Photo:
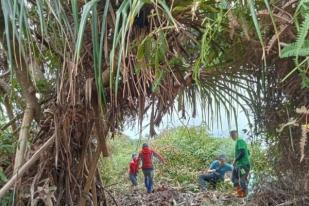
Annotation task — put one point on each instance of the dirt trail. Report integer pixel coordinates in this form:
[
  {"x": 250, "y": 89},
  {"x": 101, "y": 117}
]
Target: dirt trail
[{"x": 166, "y": 196}]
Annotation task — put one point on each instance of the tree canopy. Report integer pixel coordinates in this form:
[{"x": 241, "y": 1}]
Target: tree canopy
[{"x": 75, "y": 71}]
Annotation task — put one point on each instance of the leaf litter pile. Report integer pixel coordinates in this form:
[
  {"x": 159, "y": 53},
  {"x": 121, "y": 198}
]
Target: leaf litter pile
[{"x": 165, "y": 195}]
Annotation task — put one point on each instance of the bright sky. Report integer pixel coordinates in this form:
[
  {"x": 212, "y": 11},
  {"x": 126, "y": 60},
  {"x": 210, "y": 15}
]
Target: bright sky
[{"x": 173, "y": 121}]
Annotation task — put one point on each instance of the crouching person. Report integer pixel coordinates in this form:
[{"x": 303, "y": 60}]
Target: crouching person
[
  {"x": 215, "y": 173},
  {"x": 133, "y": 170}
]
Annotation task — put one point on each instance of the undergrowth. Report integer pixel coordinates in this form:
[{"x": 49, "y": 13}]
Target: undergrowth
[{"x": 7, "y": 149}]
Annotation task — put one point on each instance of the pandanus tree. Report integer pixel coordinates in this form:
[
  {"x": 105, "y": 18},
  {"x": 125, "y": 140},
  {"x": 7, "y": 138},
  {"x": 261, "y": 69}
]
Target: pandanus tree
[{"x": 85, "y": 67}]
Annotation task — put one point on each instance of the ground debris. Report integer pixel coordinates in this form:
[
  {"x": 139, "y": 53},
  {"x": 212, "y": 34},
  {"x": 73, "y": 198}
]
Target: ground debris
[{"x": 165, "y": 195}]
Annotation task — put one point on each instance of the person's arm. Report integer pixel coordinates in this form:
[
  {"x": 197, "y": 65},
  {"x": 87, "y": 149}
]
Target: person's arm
[
  {"x": 240, "y": 155},
  {"x": 139, "y": 159},
  {"x": 157, "y": 155},
  {"x": 212, "y": 167}
]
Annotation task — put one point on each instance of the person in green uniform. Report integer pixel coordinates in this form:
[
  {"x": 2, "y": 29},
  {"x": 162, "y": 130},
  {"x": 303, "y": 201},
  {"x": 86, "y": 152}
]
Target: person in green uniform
[{"x": 241, "y": 165}]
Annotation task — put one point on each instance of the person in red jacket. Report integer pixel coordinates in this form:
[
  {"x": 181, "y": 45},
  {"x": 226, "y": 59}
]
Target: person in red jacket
[
  {"x": 145, "y": 156},
  {"x": 133, "y": 169}
]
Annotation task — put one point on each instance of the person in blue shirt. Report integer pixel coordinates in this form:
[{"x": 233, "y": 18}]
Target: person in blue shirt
[{"x": 215, "y": 173}]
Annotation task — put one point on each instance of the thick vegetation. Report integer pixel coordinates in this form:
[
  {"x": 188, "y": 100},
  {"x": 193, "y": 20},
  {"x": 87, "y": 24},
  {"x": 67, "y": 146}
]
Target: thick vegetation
[{"x": 73, "y": 72}]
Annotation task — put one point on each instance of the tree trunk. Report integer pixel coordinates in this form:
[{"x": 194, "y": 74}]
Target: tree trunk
[
  {"x": 101, "y": 132},
  {"x": 23, "y": 137}
]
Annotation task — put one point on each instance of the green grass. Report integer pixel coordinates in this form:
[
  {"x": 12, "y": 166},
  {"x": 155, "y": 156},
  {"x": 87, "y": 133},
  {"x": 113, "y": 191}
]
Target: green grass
[{"x": 114, "y": 168}]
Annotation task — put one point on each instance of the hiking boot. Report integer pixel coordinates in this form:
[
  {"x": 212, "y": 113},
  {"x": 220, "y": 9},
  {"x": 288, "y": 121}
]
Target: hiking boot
[
  {"x": 241, "y": 194},
  {"x": 152, "y": 191},
  {"x": 237, "y": 191}
]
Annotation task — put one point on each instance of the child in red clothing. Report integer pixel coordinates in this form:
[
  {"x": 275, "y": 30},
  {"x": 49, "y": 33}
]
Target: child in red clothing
[{"x": 133, "y": 169}]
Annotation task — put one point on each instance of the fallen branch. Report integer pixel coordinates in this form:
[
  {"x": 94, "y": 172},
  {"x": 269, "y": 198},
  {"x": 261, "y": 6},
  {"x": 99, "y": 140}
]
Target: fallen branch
[{"x": 26, "y": 166}]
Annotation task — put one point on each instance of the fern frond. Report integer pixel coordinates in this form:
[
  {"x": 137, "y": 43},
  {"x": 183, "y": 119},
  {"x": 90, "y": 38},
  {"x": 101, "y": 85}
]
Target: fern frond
[
  {"x": 302, "y": 34},
  {"x": 303, "y": 140},
  {"x": 291, "y": 50},
  {"x": 302, "y": 5}
]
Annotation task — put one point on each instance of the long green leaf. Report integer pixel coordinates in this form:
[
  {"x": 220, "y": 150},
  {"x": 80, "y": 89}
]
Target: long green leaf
[
  {"x": 6, "y": 9},
  {"x": 99, "y": 80},
  {"x": 274, "y": 24},
  {"x": 86, "y": 11},
  {"x": 257, "y": 27},
  {"x": 75, "y": 14}
]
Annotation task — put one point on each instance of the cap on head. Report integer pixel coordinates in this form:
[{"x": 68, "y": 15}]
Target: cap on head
[
  {"x": 222, "y": 157},
  {"x": 145, "y": 145}
]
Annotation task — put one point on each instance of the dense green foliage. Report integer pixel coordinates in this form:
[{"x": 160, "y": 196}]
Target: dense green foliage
[
  {"x": 89, "y": 50},
  {"x": 7, "y": 149},
  {"x": 114, "y": 168},
  {"x": 300, "y": 48}
]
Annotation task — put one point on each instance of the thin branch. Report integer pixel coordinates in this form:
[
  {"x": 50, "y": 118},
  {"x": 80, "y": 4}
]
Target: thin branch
[
  {"x": 12, "y": 121},
  {"x": 26, "y": 166},
  {"x": 5, "y": 74}
]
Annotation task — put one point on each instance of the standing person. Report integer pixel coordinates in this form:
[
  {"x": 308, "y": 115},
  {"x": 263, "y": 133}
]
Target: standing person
[
  {"x": 133, "y": 170},
  {"x": 146, "y": 156},
  {"x": 215, "y": 173},
  {"x": 241, "y": 165}
]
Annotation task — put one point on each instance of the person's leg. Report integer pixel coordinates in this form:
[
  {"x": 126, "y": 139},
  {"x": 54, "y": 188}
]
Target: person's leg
[
  {"x": 244, "y": 172},
  {"x": 214, "y": 180},
  {"x": 204, "y": 179},
  {"x": 236, "y": 181},
  {"x": 235, "y": 176},
  {"x": 148, "y": 173},
  {"x": 150, "y": 188},
  {"x": 145, "y": 178},
  {"x": 202, "y": 182},
  {"x": 133, "y": 179}
]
